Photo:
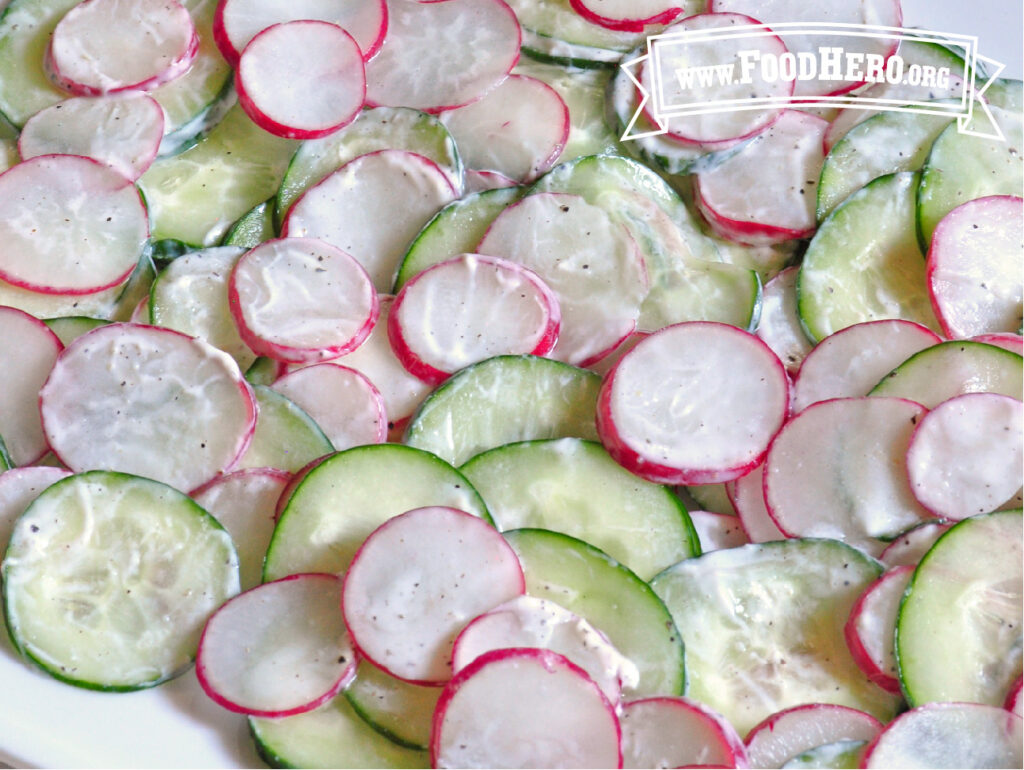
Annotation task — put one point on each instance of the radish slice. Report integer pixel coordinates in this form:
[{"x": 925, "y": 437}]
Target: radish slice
[
  {"x": 871, "y": 629},
  {"x": 838, "y": 470},
  {"x": 1015, "y": 698},
  {"x": 795, "y": 730},
  {"x": 372, "y": 207},
  {"x": 766, "y": 191},
  {"x": 239, "y": 21},
  {"x": 96, "y": 47},
  {"x": 402, "y": 392},
  {"x": 1012, "y": 342},
  {"x": 45, "y": 249},
  {"x": 301, "y": 300},
  {"x": 278, "y": 649},
  {"x": 524, "y": 708},
  {"x": 747, "y": 496},
  {"x": 851, "y": 361},
  {"x": 414, "y": 582},
  {"x": 147, "y": 401},
  {"x": 718, "y": 530},
  {"x": 966, "y": 456},
  {"x": 442, "y": 54},
  {"x": 735, "y": 393},
  {"x": 953, "y": 735},
  {"x": 343, "y": 402},
  {"x": 518, "y": 129},
  {"x": 121, "y": 130},
  {"x": 481, "y": 181},
  {"x": 678, "y": 732},
  {"x": 301, "y": 79},
  {"x": 469, "y": 308},
  {"x": 29, "y": 350},
  {"x": 910, "y": 547},
  {"x": 715, "y": 130},
  {"x": 527, "y": 621},
  {"x": 244, "y": 502},
  {"x": 591, "y": 263},
  {"x": 18, "y": 488},
  {"x": 780, "y": 325},
  {"x": 974, "y": 275},
  {"x": 630, "y": 15}
]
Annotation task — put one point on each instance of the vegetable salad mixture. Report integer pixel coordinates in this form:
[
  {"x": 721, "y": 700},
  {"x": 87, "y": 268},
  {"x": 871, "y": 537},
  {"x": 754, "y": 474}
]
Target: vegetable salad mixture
[{"x": 393, "y": 370}]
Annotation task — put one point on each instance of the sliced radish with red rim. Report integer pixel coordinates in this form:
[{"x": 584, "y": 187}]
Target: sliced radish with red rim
[
  {"x": 277, "y": 650},
  {"x": 301, "y": 300},
  {"x": 481, "y": 181},
  {"x": 469, "y": 308},
  {"x": 871, "y": 630},
  {"x": 747, "y": 496},
  {"x": 795, "y": 730},
  {"x": 630, "y": 15},
  {"x": 1015, "y": 698},
  {"x": 694, "y": 403},
  {"x": 120, "y": 130},
  {"x": 18, "y": 488},
  {"x": 442, "y": 54},
  {"x": 1012, "y": 342},
  {"x": 718, "y": 530},
  {"x": 45, "y": 249},
  {"x": 524, "y": 708},
  {"x": 29, "y": 350},
  {"x": 239, "y": 21},
  {"x": 911, "y": 546},
  {"x": 414, "y": 583},
  {"x": 96, "y": 46},
  {"x": 147, "y": 401},
  {"x": 301, "y": 79},
  {"x": 966, "y": 456},
  {"x": 678, "y": 732},
  {"x": 518, "y": 129}
]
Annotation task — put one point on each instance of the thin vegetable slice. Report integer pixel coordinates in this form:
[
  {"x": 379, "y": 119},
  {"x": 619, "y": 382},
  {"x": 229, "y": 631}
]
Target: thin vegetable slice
[
  {"x": 871, "y": 629},
  {"x": 792, "y": 731},
  {"x": 677, "y": 732},
  {"x": 399, "y": 710}
]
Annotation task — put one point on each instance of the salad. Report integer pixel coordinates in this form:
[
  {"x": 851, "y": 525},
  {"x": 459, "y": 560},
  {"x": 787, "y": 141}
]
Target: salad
[{"x": 392, "y": 386}]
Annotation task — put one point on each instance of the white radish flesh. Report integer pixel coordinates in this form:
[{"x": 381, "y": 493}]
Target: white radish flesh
[
  {"x": 301, "y": 79},
  {"x": 44, "y": 249},
  {"x": 747, "y": 496},
  {"x": 795, "y": 730},
  {"x": 469, "y": 308},
  {"x": 591, "y": 263},
  {"x": 120, "y": 130},
  {"x": 694, "y": 403},
  {"x": 524, "y": 708},
  {"x": 966, "y": 456},
  {"x": 871, "y": 630},
  {"x": 18, "y": 488},
  {"x": 301, "y": 300},
  {"x": 279, "y": 649},
  {"x": 372, "y": 207},
  {"x": 442, "y": 54},
  {"x": 343, "y": 402},
  {"x": 718, "y": 530},
  {"x": 147, "y": 401},
  {"x": 415, "y": 582},
  {"x": 910, "y": 547},
  {"x": 29, "y": 350},
  {"x": 974, "y": 275},
  {"x": 518, "y": 129},
  {"x": 97, "y": 46},
  {"x": 528, "y": 621},
  {"x": 239, "y": 21},
  {"x": 780, "y": 326},
  {"x": 678, "y": 732}
]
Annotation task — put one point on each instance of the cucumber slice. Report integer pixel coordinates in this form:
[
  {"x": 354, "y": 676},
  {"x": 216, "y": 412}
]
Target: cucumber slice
[
  {"x": 455, "y": 229},
  {"x": 398, "y": 710},
  {"x": 109, "y": 578},
  {"x": 961, "y": 167},
  {"x": 252, "y": 228},
  {"x": 332, "y": 736},
  {"x": 610, "y": 597},
  {"x": 640, "y": 524},
  {"x": 949, "y": 369},
  {"x": 195, "y": 196},
  {"x": 797, "y": 594},
  {"x": 286, "y": 437},
  {"x": 339, "y": 503},
  {"x": 864, "y": 263},
  {"x": 503, "y": 400},
  {"x": 382, "y": 128},
  {"x": 958, "y": 636},
  {"x": 68, "y": 328}
]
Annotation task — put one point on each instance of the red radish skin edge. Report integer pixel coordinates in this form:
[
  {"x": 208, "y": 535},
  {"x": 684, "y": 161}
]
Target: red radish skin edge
[
  {"x": 729, "y": 739},
  {"x": 432, "y": 376},
  {"x": 857, "y": 649},
  {"x": 344, "y": 681},
  {"x": 624, "y": 25},
  {"x": 551, "y": 662},
  {"x": 274, "y": 473},
  {"x": 267, "y": 123},
  {"x": 770, "y": 722},
  {"x": 243, "y": 386}
]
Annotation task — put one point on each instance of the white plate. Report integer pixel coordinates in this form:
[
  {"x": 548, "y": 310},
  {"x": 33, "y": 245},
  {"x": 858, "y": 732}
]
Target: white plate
[{"x": 44, "y": 723}]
